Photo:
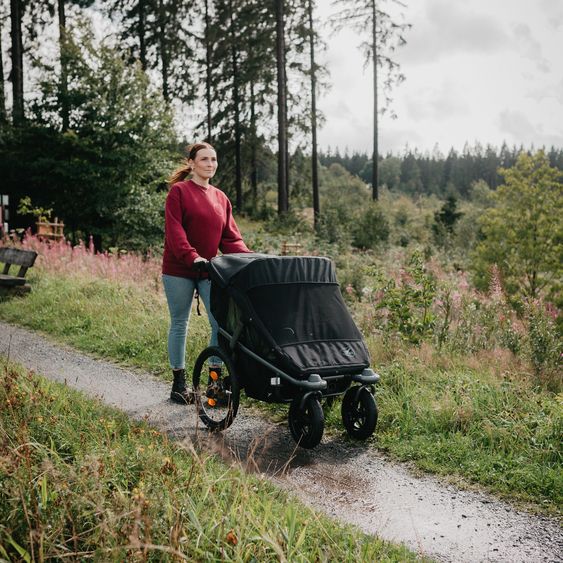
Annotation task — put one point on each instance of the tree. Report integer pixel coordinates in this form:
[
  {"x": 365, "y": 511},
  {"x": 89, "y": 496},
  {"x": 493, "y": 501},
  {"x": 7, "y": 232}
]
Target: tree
[
  {"x": 283, "y": 198},
  {"x": 314, "y": 159},
  {"x": 158, "y": 33},
  {"x": 445, "y": 220},
  {"x": 2, "y": 94},
  {"x": 119, "y": 141},
  {"x": 63, "y": 94},
  {"x": 16, "y": 74},
  {"x": 383, "y": 32},
  {"x": 523, "y": 233}
]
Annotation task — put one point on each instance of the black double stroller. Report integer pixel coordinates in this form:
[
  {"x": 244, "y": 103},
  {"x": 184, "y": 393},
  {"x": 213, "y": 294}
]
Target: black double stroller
[{"x": 285, "y": 336}]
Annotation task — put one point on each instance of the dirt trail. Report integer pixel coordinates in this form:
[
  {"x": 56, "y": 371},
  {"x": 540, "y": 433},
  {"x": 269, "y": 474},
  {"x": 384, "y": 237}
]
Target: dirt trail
[{"x": 351, "y": 483}]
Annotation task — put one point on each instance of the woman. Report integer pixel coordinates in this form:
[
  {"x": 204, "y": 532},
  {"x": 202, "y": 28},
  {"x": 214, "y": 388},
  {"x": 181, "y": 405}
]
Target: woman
[{"x": 198, "y": 223}]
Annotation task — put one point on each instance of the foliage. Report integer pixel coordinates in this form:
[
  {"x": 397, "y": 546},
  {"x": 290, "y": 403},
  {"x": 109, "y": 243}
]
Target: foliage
[
  {"x": 414, "y": 172},
  {"x": 119, "y": 138},
  {"x": 141, "y": 219},
  {"x": 523, "y": 232},
  {"x": 405, "y": 305},
  {"x": 80, "y": 481},
  {"x": 545, "y": 343},
  {"x": 25, "y": 207},
  {"x": 371, "y": 228},
  {"x": 445, "y": 221}
]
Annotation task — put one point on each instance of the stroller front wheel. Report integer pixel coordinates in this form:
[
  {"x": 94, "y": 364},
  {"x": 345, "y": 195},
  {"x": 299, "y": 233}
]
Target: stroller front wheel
[
  {"x": 306, "y": 423},
  {"x": 216, "y": 387},
  {"x": 359, "y": 412}
]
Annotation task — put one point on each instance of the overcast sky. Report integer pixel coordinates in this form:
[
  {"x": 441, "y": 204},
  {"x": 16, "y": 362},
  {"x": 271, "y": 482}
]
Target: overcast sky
[{"x": 476, "y": 70}]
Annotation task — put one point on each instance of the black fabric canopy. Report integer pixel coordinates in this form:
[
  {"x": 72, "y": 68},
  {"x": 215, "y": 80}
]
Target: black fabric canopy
[{"x": 295, "y": 304}]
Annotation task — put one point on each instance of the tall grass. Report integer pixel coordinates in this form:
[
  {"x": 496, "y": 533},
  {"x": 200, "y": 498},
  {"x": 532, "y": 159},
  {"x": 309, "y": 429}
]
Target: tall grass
[
  {"x": 80, "y": 481},
  {"x": 481, "y": 415}
]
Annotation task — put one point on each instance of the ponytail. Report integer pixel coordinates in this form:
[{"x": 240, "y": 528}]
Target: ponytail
[
  {"x": 183, "y": 171},
  {"x": 180, "y": 174}
]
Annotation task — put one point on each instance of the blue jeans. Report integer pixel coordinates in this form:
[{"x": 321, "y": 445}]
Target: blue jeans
[{"x": 179, "y": 294}]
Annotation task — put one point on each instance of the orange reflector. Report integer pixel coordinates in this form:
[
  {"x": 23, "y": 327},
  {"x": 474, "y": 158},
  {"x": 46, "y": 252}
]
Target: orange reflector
[
  {"x": 214, "y": 375},
  {"x": 211, "y": 402}
]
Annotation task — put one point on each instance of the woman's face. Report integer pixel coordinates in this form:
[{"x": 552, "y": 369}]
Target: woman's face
[{"x": 204, "y": 164}]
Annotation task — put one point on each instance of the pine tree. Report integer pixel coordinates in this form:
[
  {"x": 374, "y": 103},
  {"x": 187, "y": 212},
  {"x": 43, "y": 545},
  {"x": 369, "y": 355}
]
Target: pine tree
[
  {"x": 283, "y": 199},
  {"x": 3, "y": 115},
  {"x": 383, "y": 34},
  {"x": 16, "y": 75}
]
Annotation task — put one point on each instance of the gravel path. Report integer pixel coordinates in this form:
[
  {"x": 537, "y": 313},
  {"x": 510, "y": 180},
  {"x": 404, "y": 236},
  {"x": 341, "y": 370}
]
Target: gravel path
[{"x": 352, "y": 483}]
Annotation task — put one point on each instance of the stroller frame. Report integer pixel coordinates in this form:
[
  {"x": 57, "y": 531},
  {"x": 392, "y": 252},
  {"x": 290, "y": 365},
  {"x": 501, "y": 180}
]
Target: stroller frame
[{"x": 306, "y": 417}]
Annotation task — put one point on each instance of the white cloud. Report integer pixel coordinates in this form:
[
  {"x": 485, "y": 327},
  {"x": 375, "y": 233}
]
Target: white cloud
[
  {"x": 530, "y": 47},
  {"x": 447, "y": 28},
  {"x": 554, "y": 12},
  {"x": 517, "y": 125},
  {"x": 552, "y": 90},
  {"x": 436, "y": 103}
]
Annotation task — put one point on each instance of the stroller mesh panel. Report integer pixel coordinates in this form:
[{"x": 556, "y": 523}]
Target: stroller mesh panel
[{"x": 297, "y": 313}]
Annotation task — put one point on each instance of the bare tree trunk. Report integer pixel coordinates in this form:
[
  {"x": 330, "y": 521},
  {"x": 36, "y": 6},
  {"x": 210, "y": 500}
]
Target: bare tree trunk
[
  {"x": 16, "y": 75},
  {"x": 208, "y": 70},
  {"x": 141, "y": 31},
  {"x": 236, "y": 103},
  {"x": 253, "y": 149},
  {"x": 314, "y": 158},
  {"x": 283, "y": 202},
  {"x": 375, "y": 170},
  {"x": 163, "y": 49},
  {"x": 65, "y": 110},
  {"x": 3, "y": 117}
]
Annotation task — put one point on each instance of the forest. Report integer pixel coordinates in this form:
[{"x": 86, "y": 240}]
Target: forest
[{"x": 105, "y": 95}]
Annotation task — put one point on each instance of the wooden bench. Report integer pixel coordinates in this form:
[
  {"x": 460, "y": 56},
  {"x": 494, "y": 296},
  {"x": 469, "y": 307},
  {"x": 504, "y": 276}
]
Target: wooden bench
[{"x": 16, "y": 257}]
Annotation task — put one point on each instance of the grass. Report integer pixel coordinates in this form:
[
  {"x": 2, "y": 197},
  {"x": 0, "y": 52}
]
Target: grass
[
  {"x": 79, "y": 480},
  {"x": 473, "y": 417}
]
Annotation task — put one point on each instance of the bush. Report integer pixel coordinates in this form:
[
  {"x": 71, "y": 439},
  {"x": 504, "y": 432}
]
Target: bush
[
  {"x": 405, "y": 305},
  {"x": 544, "y": 343},
  {"x": 371, "y": 228}
]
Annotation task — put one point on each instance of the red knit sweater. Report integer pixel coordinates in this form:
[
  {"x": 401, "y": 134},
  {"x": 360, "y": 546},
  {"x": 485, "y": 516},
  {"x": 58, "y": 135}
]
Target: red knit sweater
[{"x": 198, "y": 222}]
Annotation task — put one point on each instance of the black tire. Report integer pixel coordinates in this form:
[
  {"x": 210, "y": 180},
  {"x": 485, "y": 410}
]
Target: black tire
[
  {"x": 306, "y": 424},
  {"x": 359, "y": 413},
  {"x": 221, "y": 415}
]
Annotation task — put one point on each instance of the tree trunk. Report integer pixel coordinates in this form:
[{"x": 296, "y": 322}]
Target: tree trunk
[
  {"x": 65, "y": 110},
  {"x": 163, "y": 49},
  {"x": 283, "y": 203},
  {"x": 16, "y": 76},
  {"x": 208, "y": 70},
  {"x": 2, "y": 92},
  {"x": 314, "y": 163},
  {"x": 375, "y": 170},
  {"x": 236, "y": 103},
  {"x": 141, "y": 31},
  {"x": 253, "y": 150}
]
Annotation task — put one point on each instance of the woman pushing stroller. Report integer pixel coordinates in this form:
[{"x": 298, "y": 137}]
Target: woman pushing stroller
[{"x": 198, "y": 223}]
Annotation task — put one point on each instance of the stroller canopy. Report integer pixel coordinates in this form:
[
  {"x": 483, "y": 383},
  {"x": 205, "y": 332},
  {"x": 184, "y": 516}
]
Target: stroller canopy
[{"x": 294, "y": 302}]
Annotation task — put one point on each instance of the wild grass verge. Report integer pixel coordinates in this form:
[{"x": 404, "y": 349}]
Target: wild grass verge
[
  {"x": 78, "y": 481},
  {"x": 471, "y": 417}
]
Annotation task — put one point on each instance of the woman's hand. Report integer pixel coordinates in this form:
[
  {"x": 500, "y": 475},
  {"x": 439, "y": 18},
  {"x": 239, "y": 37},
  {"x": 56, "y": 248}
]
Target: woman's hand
[{"x": 200, "y": 264}]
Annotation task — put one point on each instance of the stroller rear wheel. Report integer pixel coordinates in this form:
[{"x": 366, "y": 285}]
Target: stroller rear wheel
[
  {"x": 359, "y": 412},
  {"x": 217, "y": 389},
  {"x": 306, "y": 423}
]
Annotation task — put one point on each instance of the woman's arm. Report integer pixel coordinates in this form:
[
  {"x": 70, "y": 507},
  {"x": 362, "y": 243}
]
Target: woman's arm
[
  {"x": 175, "y": 234},
  {"x": 231, "y": 239}
]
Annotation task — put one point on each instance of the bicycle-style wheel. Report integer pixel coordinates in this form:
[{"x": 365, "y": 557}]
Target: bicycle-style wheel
[{"x": 216, "y": 388}]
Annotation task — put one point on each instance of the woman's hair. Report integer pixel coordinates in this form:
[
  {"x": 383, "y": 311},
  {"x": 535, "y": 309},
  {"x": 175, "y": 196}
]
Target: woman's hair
[{"x": 182, "y": 172}]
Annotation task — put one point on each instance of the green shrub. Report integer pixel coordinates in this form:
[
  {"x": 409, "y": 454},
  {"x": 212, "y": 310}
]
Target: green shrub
[
  {"x": 371, "y": 228},
  {"x": 544, "y": 343}
]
